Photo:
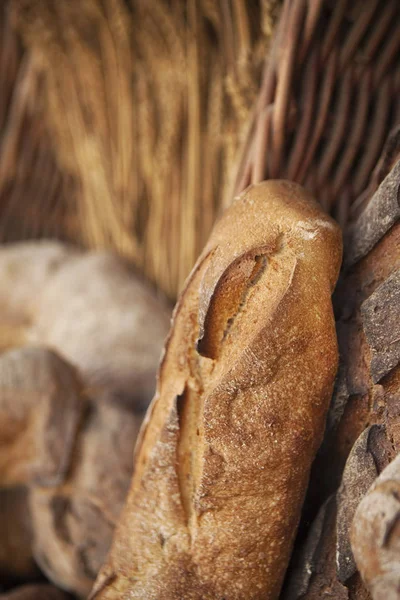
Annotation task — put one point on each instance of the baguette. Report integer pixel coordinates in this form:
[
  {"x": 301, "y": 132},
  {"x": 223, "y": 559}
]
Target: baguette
[{"x": 224, "y": 455}]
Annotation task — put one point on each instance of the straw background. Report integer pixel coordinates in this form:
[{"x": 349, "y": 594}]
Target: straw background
[
  {"x": 120, "y": 121},
  {"x": 130, "y": 124}
]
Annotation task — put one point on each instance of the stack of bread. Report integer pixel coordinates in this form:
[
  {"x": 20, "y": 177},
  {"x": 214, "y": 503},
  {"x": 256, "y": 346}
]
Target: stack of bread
[{"x": 81, "y": 337}]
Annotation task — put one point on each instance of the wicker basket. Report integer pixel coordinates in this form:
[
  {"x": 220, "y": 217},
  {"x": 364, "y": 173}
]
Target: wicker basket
[{"x": 328, "y": 99}]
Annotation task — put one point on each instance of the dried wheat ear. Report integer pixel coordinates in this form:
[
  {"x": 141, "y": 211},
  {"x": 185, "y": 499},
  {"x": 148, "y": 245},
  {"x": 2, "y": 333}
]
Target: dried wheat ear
[
  {"x": 124, "y": 120},
  {"x": 81, "y": 336}
]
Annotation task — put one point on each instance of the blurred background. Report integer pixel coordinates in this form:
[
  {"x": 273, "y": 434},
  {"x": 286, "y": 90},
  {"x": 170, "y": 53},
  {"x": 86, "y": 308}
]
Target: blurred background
[
  {"x": 128, "y": 124},
  {"x": 120, "y": 121}
]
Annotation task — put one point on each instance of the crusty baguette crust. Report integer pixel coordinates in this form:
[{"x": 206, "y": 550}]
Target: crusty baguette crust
[{"x": 224, "y": 455}]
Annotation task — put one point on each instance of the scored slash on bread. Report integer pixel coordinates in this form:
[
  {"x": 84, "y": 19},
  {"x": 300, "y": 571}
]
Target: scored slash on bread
[{"x": 224, "y": 455}]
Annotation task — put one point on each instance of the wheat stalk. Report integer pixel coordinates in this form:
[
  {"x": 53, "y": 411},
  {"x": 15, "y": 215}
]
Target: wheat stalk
[{"x": 145, "y": 105}]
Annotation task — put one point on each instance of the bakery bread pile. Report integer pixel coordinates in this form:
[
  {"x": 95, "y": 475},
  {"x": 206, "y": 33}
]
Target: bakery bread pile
[
  {"x": 80, "y": 339},
  {"x": 224, "y": 455},
  {"x": 224, "y": 472}
]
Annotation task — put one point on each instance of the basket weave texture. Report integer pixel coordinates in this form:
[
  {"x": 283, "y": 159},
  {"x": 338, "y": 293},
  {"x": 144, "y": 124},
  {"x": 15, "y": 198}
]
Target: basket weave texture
[{"x": 328, "y": 100}]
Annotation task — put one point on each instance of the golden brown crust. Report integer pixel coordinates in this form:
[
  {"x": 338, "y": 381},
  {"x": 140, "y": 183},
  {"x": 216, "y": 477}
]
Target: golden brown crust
[{"x": 244, "y": 385}]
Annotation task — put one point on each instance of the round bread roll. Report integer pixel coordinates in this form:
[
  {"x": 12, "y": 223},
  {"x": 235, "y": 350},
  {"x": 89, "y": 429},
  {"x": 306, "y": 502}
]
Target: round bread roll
[{"x": 90, "y": 307}]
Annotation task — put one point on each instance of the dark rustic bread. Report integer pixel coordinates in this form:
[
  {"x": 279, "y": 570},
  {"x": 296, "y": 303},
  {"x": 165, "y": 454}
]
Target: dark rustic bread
[
  {"x": 375, "y": 534},
  {"x": 366, "y": 401},
  {"x": 243, "y": 388},
  {"x": 325, "y": 565}
]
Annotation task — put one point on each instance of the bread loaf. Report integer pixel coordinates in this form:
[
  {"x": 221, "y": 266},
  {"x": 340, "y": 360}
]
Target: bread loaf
[
  {"x": 224, "y": 455},
  {"x": 80, "y": 338},
  {"x": 66, "y": 460},
  {"x": 91, "y": 308},
  {"x": 375, "y": 535}
]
